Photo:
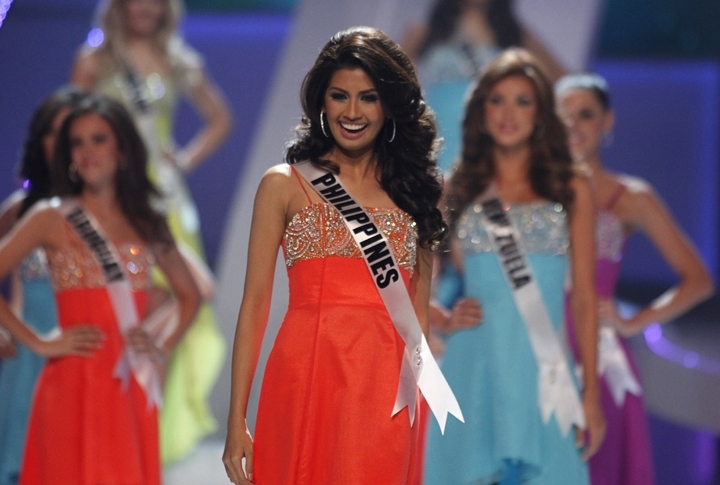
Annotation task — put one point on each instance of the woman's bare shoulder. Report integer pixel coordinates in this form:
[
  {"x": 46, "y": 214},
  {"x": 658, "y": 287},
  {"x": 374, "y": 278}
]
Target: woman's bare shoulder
[
  {"x": 634, "y": 185},
  {"x": 277, "y": 177},
  {"x": 86, "y": 68}
]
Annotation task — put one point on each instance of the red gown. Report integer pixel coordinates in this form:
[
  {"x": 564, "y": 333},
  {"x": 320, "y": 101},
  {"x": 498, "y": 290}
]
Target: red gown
[
  {"x": 85, "y": 429},
  {"x": 329, "y": 388}
]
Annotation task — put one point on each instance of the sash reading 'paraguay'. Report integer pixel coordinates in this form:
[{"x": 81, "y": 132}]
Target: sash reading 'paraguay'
[
  {"x": 419, "y": 368},
  {"x": 556, "y": 390},
  {"x": 614, "y": 365},
  {"x": 121, "y": 297}
]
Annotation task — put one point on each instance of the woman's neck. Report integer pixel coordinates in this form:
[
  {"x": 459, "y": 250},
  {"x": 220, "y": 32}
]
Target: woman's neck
[
  {"x": 100, "y": 201},
  {"x": 594, "y": 165},
  {"x": 512, "y": 162},
  {"x": 354, "y": 166},
  {"x": 512, "y": 174},
  {"x": 473, "y": 23},
  {"x": 137, "y": 42}
]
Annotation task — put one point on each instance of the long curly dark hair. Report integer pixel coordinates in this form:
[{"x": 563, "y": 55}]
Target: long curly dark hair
[
  {"x": 445, "y": 16},
  {"x": 407, "y": 165},
  {"x": 34, "y": 165},
  {"x": 550, "y": 161},
  {"x": 133, "y": 188}
]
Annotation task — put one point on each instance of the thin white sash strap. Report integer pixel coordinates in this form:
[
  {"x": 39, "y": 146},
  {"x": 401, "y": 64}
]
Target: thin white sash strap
[
  {"x": 121, "y": 297},
  {"x": 419, "y": 368},
  {"x": 614, "y": 365},
  {"x": 556, "y": 390}
]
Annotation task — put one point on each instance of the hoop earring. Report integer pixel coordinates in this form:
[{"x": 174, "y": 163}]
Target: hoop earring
[
  {"x": 72, "y": 173},
  {"x": 322, "y": 124},
  {"x": 390, "y": 140}
]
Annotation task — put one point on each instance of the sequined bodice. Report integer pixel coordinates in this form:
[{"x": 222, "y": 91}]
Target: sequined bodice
[
  {"x": 34, "y": 266},
  {"x": 318, "y": 231},
  {"x": 610, "y": 236},
  {"x": 542, "y": 226},
  {"x": 75, "y": 266}
]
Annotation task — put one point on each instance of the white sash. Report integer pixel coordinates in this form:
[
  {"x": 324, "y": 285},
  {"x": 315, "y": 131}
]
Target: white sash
[
  {"x": 419, "y": 368},
  {"x": 121, "y": 297},
  {"x": 614, "y": 366},
  {"x": 556, "y": 390}
]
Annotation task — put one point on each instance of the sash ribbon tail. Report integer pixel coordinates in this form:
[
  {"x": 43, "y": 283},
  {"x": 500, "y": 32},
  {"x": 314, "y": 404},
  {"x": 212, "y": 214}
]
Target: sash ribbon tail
[
  {"x": 419, "y": 369},
  {"x": 557, "y": 395},
  {"x": 614, "y": 365}
]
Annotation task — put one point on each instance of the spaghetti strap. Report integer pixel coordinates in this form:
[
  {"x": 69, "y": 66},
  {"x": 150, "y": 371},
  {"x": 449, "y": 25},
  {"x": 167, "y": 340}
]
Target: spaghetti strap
[
  {"x": 302, "y": 185},
  {"x": 610, "y": 203}
]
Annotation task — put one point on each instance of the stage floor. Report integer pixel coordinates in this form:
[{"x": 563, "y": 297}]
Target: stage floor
[{"x": 204, "y": 466}]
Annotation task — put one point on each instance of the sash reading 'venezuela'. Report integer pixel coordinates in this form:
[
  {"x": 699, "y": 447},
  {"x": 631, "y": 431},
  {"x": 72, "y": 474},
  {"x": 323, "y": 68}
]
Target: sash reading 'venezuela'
[
  {"x": 419, "y": 368},
  {"x": 556, "y": 390},
  {"x": 121, "y": 297}
]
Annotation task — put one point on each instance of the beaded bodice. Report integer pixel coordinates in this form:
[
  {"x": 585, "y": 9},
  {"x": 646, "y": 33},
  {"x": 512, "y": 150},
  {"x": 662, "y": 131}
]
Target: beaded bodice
[
  {"x": 610, "y": 236},
  {"x": 542, "y": 227},
  {"x": 34, "y": 266},
  {"x": 318, "y": 231},
  {"x": 75, "y": 266}
]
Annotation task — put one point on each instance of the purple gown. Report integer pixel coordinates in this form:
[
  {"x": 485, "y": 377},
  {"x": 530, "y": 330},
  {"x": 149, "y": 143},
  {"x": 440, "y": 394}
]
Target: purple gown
[{"x": 625, "y": 456}]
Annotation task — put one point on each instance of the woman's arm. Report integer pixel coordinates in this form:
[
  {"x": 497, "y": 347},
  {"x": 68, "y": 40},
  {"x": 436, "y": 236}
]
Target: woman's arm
[
  {"x": 8, "y": 215},
  {"x": 421, "y": 283},
  {"x": 41, "y": 226},
  {"x": 584, "y": 308},
  {"x": 465, "y": 313},
  {"x": 9, "y": 211},
  {"x": 184, "y": 289},
  {"x": 266, "y": 232},
  {"x": 648, "y": 214},
  {"x": 210, "y": 102}
]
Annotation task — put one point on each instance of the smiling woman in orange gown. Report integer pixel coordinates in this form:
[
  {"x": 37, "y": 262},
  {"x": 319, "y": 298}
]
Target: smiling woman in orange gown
[{"x": 326, "y": 405}]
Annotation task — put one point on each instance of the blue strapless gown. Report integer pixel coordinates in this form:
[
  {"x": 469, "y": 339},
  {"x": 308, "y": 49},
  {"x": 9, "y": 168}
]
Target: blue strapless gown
[
  {"x": 18, "y": 375},
  {"x": 493, "y": 371}
]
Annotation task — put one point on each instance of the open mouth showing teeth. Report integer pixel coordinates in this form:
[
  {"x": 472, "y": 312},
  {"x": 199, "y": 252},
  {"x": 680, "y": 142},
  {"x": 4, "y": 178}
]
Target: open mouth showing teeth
[{"x": 353, "y": 128}]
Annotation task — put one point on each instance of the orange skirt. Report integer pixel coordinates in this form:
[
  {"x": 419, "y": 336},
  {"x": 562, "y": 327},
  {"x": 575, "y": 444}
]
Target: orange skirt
[
  {"x": 85, "y": 429},
  {"x": 330, "y": 384}
]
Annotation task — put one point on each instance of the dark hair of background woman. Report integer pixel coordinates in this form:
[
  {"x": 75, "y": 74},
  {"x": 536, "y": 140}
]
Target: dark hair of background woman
[
  {"x": 446, "y": 15},
  {"x": 408, "y": 167},
  {"x": 550, "y": 161},
  {"x": 34, "y": 166},
  {"x": 594, "y": 83},
  {"x": 133, "y": 189}
]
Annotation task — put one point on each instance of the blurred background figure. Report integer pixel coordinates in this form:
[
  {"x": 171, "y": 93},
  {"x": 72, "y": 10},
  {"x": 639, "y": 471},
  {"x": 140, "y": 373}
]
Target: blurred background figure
[
  {"x": 514, "y": 146},
  {"x": 94, "y": 412},
  {"x": 457, "y": 40},
  {"x": 32, "y": 298},
  {"x": 138, "y": 57},
  {"x": 625, "y": 205}
]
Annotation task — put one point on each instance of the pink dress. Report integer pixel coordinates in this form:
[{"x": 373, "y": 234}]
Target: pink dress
[{"x": 625, "y": 456}]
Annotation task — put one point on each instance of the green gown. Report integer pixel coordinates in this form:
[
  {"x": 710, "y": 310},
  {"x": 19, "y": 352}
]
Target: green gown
[{"x": 196, "y": 362}]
